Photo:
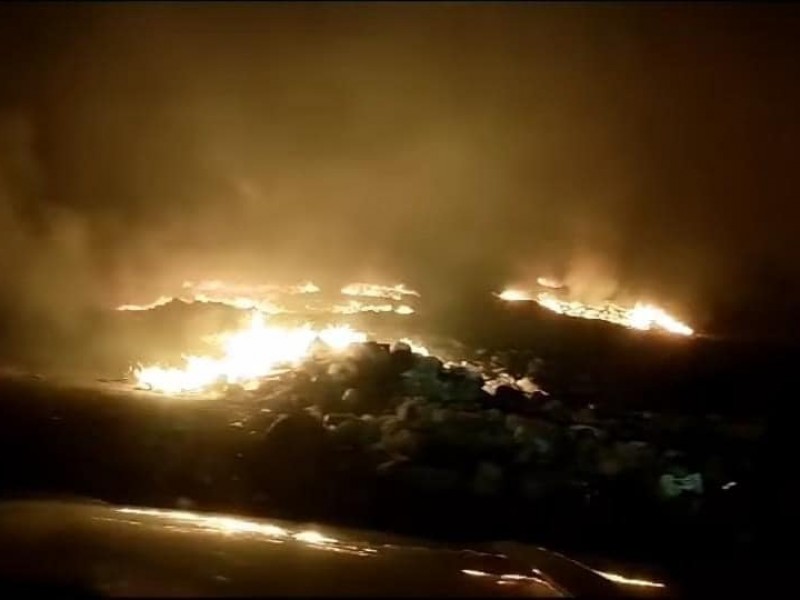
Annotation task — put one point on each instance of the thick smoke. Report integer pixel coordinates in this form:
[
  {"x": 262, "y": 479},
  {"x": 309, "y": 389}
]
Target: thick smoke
[{"x": 639, "y": 150}]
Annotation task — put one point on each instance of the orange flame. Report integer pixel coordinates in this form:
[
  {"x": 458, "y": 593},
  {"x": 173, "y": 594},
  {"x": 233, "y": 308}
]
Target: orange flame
[
  {"x": 368, "y": 290},
  {"x": 644, "y": 317}
]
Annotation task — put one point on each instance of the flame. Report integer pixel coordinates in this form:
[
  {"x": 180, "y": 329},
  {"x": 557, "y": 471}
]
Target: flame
[
  {"x": 548, "y": 282},
  {"x": 264, "y": 298},
  {"x": 215, "y": 286},
  {"x": 161, "y": 301},
  {"x": 244, "y": 297},
  {"x": 354, "y": 306},
  {"x": 249, "y": 354},
  {"x": 644, "y": 317},
  {"x": 369, "y": 290},
  {"x": 512, "y": 295}
]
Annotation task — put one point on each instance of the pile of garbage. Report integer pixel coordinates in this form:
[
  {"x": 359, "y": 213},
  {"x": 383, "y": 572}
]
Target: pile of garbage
[{"x": 418, "y": 425}]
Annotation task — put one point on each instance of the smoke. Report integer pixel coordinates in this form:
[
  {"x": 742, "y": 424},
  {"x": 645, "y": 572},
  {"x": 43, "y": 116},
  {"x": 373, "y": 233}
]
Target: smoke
[
  {"x": 631, "y": 150},
  {"x": 45, "y": 269}
]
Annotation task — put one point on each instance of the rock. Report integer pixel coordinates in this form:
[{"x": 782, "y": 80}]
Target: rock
[
  {"x": 410, "y": 410},
  {"x": 349, "y": 432},
  {"x": 442, "y": 415},
  {"x": 352, "y": 400},
  {"x": 430, "y": 479},
  {"x": 534, "y": 486},
  {"x": 373, "y": 361},
  {"x": 513, "y": 421},
  {"x": 582, "y": 431},
  {"x": 556, "y": 411},
  {"x": 494, "y": 415},
  {"x": 608, "y": 463},
  {"x": 399, "y": 347},
  {"x": 336, "y": 419},
  {"x": 342, "y": 371},
  {"x": 401, "y": 357},
  {"x": 294, "y": 433},
  {"x": 584, "y": 416},
  {"x": 401, "y": 442},
  {"x": 488, "y": 479},
  {"x": 371, "y": 430},
  {"x": 417, "y": 382},
  {"x": 509, "y": 399},
  {"x": 389, "y": 424},
  {"x": 428, "y": 365}
]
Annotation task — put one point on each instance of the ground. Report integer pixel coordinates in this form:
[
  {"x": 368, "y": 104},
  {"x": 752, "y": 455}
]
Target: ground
[{"x": 105, "y": 440}]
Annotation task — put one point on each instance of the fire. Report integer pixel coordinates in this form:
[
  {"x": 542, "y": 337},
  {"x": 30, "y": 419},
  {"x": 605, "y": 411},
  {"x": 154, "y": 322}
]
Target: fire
[
  {"x": 369, "y": 290},
  {"x": 161, "y": 301},
  {"x": 249, "y": 354},
  {"x": 217, "y": 287},
  {"x": 548, "y": 282},
  {"x": 277, "y": 299},
  {"x": 354, "y": 306},
  {"x": 644, "y": 317},
  {"x": 512, "y": 295}
]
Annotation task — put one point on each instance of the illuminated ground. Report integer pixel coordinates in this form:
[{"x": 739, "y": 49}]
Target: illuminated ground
[{"x": 106, "y": 440}]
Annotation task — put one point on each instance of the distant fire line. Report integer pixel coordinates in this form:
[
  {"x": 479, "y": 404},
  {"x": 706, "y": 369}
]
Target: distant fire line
[{"x": 644, "y": 317}]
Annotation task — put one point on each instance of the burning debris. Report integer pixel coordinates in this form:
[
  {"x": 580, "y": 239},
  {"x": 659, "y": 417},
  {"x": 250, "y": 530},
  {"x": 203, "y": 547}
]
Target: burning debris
[
  {"x": 644, "y": 317},
  {"x": 274, "y": 299},
  {"x": 248, "y": 355},
  {"x": 251, "y": 354},
  {"x": 354, "y": 307},
  {"x": 368, "y": 290},
  {"x": 306, "y": 408},
  {"x": 513, "y": 295},
  {"x": 260, "y": 349}
]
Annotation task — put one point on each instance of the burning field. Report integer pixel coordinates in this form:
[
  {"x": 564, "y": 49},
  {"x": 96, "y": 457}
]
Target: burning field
[
  {"x": 351, "y": 406},
  {"x": 260, "y": 346}
]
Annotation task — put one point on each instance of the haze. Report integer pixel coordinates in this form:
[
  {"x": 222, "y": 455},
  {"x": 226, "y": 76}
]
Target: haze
[{"x": 639, "y": 149}]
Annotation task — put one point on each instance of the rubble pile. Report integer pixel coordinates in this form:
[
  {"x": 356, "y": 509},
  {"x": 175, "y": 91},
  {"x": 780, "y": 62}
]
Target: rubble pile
[{"x": 379, "y": 424}]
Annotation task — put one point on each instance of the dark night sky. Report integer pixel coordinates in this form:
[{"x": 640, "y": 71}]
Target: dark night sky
[{"x": 640, "y": 148}]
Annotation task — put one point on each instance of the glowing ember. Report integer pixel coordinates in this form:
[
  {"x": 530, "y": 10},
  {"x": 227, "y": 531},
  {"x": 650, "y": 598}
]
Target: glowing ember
[
  {"x": 248, "y": 355},
  {"x": 368, "y": 290},
  {"x": 641, "y": 316},
  {"x": 515, "y": 296}
]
